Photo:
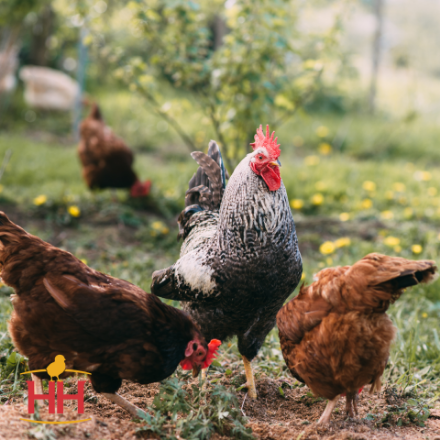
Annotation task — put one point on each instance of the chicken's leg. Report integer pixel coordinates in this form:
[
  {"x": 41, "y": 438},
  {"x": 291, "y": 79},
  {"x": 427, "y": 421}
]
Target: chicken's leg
[
  {"x": 124, "y": 403},
  {"x": 351, "y": 404},
  {"x": 204, "y": 376},
  {"x": 325, "y": 418},
  {"x": 38, "y": 384},
  {"x": 250, "y": 384}
]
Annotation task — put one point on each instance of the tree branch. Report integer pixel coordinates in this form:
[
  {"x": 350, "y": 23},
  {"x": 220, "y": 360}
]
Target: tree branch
[{"x": 156, "y": 108}]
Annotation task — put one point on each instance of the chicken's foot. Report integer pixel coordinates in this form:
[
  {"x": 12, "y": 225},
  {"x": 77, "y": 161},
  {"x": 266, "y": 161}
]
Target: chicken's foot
[
  {"x": 38, "y": 384},
  {"x": 326, "y": 415},
  {"x": 351, "y": 403},
  {"x": 250, "y": 383},
  {"x": 124, "y": 403}
]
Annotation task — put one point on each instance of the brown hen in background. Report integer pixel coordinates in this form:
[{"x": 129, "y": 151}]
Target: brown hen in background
[
  {"x": 97, "y": 323},
  {"x": 107, "y": 161},
  {"x": 336, "y": 336}
]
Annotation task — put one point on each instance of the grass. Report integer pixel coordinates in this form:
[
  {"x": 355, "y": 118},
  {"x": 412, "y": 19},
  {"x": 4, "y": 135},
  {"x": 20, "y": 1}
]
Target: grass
[{"x": 371, "y": 191}]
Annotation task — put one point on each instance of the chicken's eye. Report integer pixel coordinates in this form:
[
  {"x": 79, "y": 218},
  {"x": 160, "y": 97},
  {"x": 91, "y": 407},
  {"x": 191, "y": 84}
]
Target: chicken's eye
[
  {"x": 199, "y": 353},
  {"x": 260, "y": 157}
]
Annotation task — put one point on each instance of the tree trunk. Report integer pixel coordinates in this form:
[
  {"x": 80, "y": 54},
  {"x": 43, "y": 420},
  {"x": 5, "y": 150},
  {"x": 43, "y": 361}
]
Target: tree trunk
[
  {"x": 377, "y": 42},
  {"x": 42, "y": 30}
]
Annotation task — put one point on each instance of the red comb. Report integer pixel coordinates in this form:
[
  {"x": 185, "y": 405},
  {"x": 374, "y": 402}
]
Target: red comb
[
  {"x": 267, "y": 141},
  {"x": 212, "y": 352}
]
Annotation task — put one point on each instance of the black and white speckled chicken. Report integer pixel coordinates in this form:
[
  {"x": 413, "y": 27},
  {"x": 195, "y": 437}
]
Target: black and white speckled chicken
[{"x": 239, "y": 260}]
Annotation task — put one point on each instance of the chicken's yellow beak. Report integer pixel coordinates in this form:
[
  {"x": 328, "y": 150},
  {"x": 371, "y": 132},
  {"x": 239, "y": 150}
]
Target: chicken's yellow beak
[
  {"x": 196, "y": 370},
  {"x": 274, "y": 164}
]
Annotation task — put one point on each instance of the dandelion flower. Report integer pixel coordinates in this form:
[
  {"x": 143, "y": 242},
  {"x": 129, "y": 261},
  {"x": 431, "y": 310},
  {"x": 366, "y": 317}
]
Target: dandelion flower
[
  {"x": 83, "y": 260},
  {"x": 344, "y": 216},
  {"x": 40, "y": 200},
  {"x": 74, "y": 211},
  {"x": 320, "y": 186},
  {"x": 387, "y": 215},
  {"x": 368, "y": 185},
  {"x": 325, "y": 148},
  {"x": 329, "y": 261},
  {"x": 422, "y": 176},
  {"x": 343, "y": 241},
  {"x": 432, "y": 191},
  {"x": 399, "y": 186},
  {"x": 311, "y": 161},
  {"x": 408, "y": 212},
  {"x": 322, "y": 131},
  {"x": 165, "y": 230},
  {"x": 328, "y": 247},
  {"x": 296, "y": 203},
  {"x": 416, "y": 248},
  {"x": 389, "y": 195},
  {"x": 424, "y": 315},
  {"x": 392, "y": 241},
  {"x": 366, "y": 204},
  {"x": 317, "y": 199},
  {"x": 298, "y": 141},
  {"x": 303, "y": 276},
  {"x": 157, "y": 225},
  {"x": 397, "y": 249}
]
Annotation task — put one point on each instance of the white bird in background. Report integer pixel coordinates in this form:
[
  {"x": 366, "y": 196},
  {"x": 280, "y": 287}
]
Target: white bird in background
[{"x": 48, "y": 89}]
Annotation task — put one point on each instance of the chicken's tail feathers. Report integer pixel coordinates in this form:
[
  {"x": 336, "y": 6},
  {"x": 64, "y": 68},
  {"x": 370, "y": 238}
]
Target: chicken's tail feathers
[
  {"x": 206, "y": 187},
  {"x": 208, "y": 183},
  {"x": 95, "y": 112},
  {"x": 385, "y": 278}
]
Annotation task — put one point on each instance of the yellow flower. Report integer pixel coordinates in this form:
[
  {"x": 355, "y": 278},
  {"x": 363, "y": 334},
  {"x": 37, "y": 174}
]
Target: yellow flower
[
  {"x": 389, "y": 195},
  {"x": 422, "y": 175},
  {"x": 366, "y": 204},
  {"x": 296, "y": 203},
  {"x": 322, "y": 131},
  {"x": 343, "y": 241},
  {"x": 387, "y": 215},
  {"x": 403, "y": 200},
  {"x": 153, "y": 233},
  {"x": 424, "y": 315},
  {"x": 325, "y": 148},
  {"x": 165, "y": 230},
  {"x": 311, "y": 160},
  {"x": 317, "y": 199},
  {"x": 392, "y": 241},
  {"x": 320, "y": 186},
  {"x": 40, "y": 200},
  {"x": 416, "y": 248},
  {"x": 432, "y": 191},
  {"x": 368, "y": 185},
  {"x": 83, "y": 260},
  {"x": 74, "y": 211},
  {"x": 329, "y": 261},
  {"x": 399, "y": 186},
  {"x": 328, "y": 247},
  {"x": 408, "y": 212},
  {"x": 298, "y": 141},
  {"x": 158, "y": 225},
  {"x": 344, "y": 216},
  {"x": 397, "y": 249},
  {"x": 303, "y": 276}
]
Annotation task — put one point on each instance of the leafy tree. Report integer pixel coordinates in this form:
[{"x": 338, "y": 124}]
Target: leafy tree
[{"x": 264, "y": 71}]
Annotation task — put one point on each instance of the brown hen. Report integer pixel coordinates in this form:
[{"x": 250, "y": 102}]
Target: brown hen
[
  {"x": 98, "y": 323},
  {"x": 107, "y": 162},
  {"x": 335, "y": 335}
]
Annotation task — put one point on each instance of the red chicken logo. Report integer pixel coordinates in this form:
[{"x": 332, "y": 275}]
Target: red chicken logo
[{"x": 55, "y": 399}]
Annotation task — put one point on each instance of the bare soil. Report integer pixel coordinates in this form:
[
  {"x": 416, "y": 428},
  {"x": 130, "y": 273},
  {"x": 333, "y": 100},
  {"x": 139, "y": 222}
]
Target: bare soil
[{"x": 271, "y": 417}]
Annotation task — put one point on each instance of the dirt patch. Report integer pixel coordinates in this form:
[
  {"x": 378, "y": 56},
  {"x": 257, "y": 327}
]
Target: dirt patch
[{"x": 272, "y": 417}]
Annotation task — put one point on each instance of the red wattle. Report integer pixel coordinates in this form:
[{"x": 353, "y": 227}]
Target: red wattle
[
  {"x": 272, "y": 177},
  {"x": 186, "y": 364}
]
